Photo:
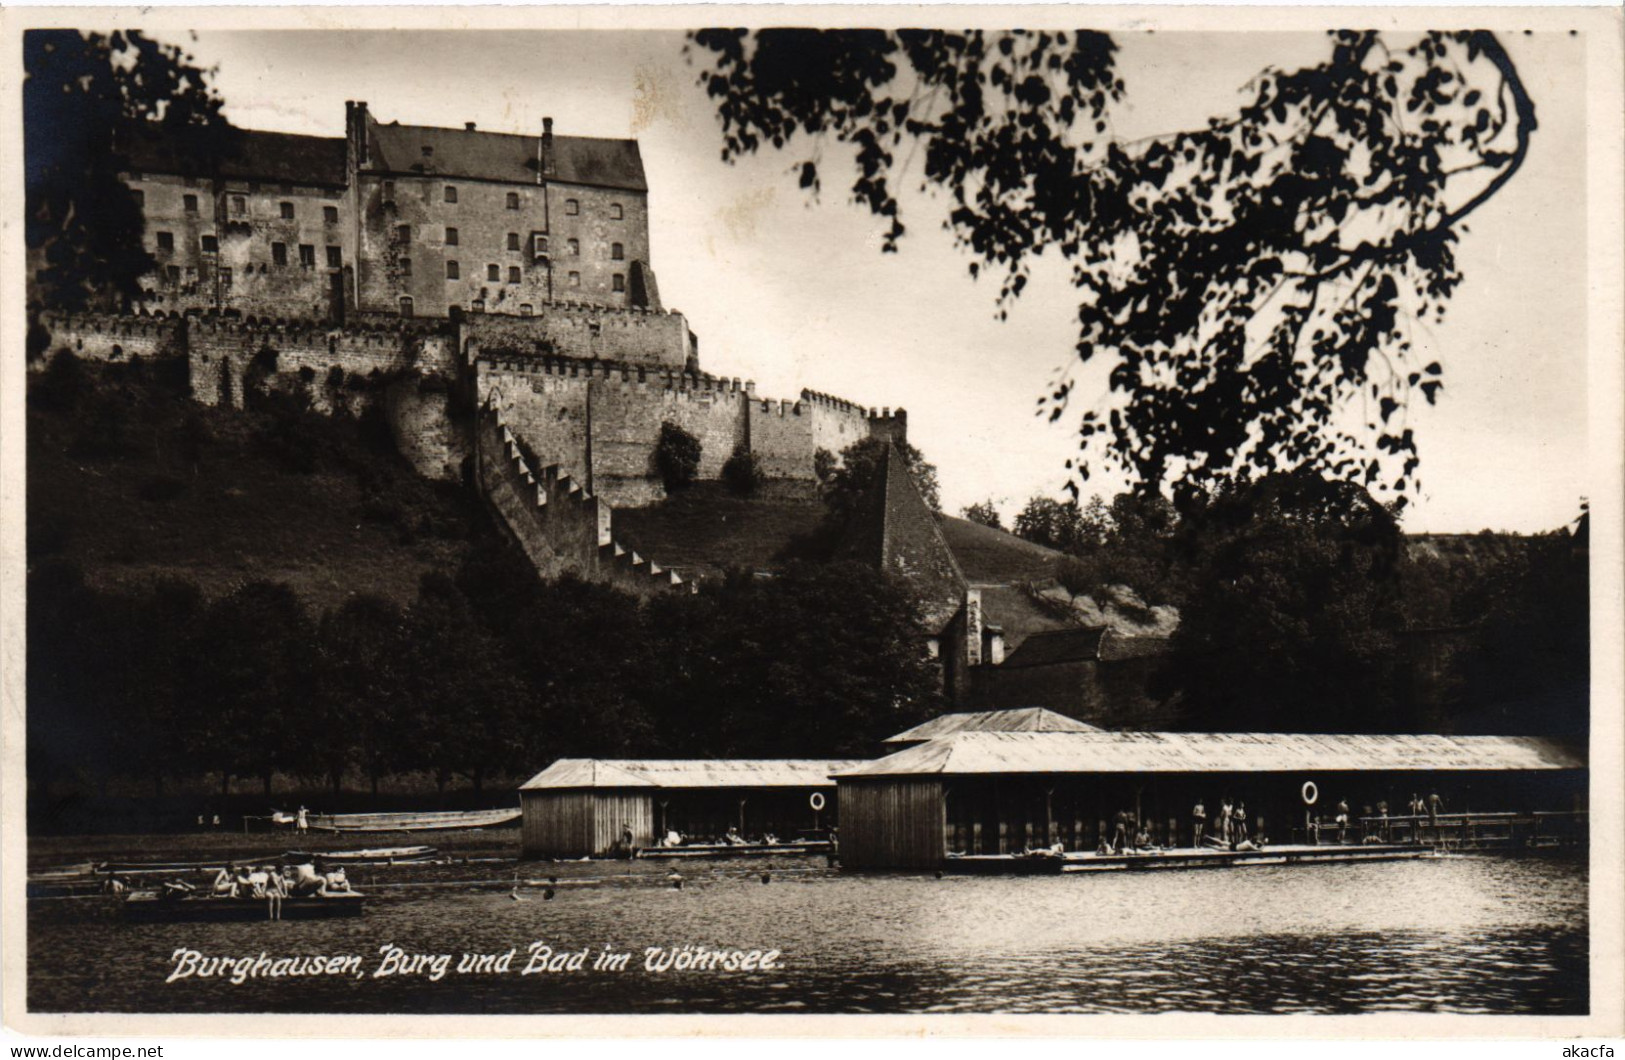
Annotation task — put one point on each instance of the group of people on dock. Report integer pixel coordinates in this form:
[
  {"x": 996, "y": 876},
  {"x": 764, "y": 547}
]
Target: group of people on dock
[
  {"x": 281, "y": 880},
  {"x": 1229, "y": 829},
  {"x": 1374, "y": 824}
]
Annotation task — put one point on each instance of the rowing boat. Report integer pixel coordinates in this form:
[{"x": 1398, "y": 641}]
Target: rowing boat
[
  {"x": 146, "y": 907},
  {"x": 375, "y": 855},
  {"x": 412, "y": 822}
]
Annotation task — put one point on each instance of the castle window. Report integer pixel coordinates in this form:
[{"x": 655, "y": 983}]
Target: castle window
[
  {"x": 307, "y": 255},
  {"x": 513, "y": 240},
  {"x": 389, "y": 189},
  {"x": 620, "y": 282},
  {"x": 513, "y": 274},
  {"x": 191, "y": 275},
  {"x": 513, "y": 200},
  {"x": 330, "y": 214},
  {"x": 279, "y": 253},
  {"x": 572, "y": 207},
  {"x": 239, "y": 206},
  {"x": 615, "y": 213},
  {"x": 451, "y": 193},
  {"x": 335, "y": 257},
  {"x": 453, "y": 271},
  {"x": 575, "y": 279},
  {"x": 575, "y": 247},
  {"x": 287, "y": 211},
  {"x": 406, "y": 266},
  {"x": 406, "y": 307},
  {"x": 525, "y": 309},
  {"x": 451, "y": 237},
  {"x": 617, "y": 252},
  {"x": 166, "y": 241},
  {"x": 225, "y": 277},
  {"x": 540, "y": 245},
  {"x": 190, "y": 203},
  {"x": 210, "y": 244},
  {"x": 404, "y": 233},
  {"x": 493, "y": 273},
  {"x": 140, "y": 197},
  {"x": 174, "y": 273}
]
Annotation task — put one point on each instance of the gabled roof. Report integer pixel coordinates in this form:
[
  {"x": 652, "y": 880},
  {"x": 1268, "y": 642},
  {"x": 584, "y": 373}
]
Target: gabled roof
[
  {"x": 1024, "y": 719},
  {"x": 271, "y": 156},
  {"x": 598, "y": 773},
  {"x": 506, "y": 157},
  {"x": 1084, "y": 644},
  {"x": 982, "y": 753},
  {"x": 894, "y": 529}
]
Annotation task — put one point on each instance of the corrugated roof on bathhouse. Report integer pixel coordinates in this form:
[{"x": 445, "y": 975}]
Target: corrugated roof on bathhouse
[
  {"x": 1022, "y": 719},
  {"x": 582, "y": 807},
  {"x": 999, "y": 792}
]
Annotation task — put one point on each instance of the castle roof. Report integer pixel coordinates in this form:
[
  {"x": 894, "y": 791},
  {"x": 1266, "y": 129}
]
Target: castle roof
[
  {"x": 273, "y": 156},
  {"x": 477, "y": 155},
  {"x": 1084, "y": 644}
]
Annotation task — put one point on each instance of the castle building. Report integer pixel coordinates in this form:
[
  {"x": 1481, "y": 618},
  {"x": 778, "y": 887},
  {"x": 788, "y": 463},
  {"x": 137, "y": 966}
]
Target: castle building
[{"x": 393, "y": 219}]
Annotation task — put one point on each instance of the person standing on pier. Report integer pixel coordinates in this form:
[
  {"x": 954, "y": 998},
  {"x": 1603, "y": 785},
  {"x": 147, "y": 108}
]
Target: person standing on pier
[
  {"x": 1434, "y": 802},
  {"x": 1225, "y": 810},
  {"x": 1342, "y": 820},
  {"x": 1238, "y": 831},
  {"x": 1198, "y": 823}
]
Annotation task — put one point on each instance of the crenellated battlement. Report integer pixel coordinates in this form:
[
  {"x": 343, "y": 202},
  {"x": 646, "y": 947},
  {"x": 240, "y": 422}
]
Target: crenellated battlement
[
  {"x": 613, "y": 372},
  {"x": 122, "y": 325}
]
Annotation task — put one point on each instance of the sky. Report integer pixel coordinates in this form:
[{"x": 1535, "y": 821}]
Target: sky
[{"x": 794, "y": 292}]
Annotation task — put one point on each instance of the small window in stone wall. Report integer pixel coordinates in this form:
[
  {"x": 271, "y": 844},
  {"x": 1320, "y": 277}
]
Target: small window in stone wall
[
  {"x": 190, "y": 203},
  {"x": 451, "y": 237},
  {"x": 174, "y": 273},
  {"x": 403, "y": 233},
  {"x": 287, "y": 211},
  {"x": 239, "y": 206},
  {"x": 619, "y": 282},
  {"x": 307, "y": 255},
  {"x": 513, "y": 274},
  {"x": 615, "y": 213},
  {"x": 513, "y": 200},
  {"x": 572, "y": 207},
  {"x": 525, "y": 309},
  {"x": 493, "y": 273},
  {"x": 389, "y": 190},
  {"x": 330, "y": 214},
  {"x": 406, "y": 307},
  {"x": 513, "y": 240},
  {"x": 617, "y": 252},
  {"x": 210, "y": 244},
  {"x": 279, "y": 253},
  {"x": 575, "y": 247},
  {"x": 335, "y": 257},
  {"x": 140, "y": 197},
  {"x": 454, "y": 271},
  {"x": 406, "y": 266},
  {"x": 166, "y": 241},
  {"x": 575, "y": 279},
  {"x": 451, "y": 193},
  {"x": 225, "y": 277}
]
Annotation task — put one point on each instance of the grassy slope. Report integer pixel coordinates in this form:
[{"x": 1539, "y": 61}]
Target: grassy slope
[{"x": 361, "y": 522}]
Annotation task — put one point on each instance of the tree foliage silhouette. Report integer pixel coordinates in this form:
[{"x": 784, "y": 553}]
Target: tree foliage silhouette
[
  {"x": 1252, "y": 283},
  {"x": 85, "y": 96}
]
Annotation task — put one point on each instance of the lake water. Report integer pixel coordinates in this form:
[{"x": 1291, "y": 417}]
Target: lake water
[{"x": 1474, "y": 935}]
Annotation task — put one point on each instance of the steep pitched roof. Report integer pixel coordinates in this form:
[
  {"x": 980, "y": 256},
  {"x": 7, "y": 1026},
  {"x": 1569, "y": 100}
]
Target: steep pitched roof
[
  {"x": 1084, "y": 644},
  {"x": 478, "y": 155},
  {"x": 895, "y": 530},
  {"x": 1023, "y": 719},
  {"x": 984, "y": 753},
  {"x": 584, "y": 773},
  {"x": 272, "y": 156}
]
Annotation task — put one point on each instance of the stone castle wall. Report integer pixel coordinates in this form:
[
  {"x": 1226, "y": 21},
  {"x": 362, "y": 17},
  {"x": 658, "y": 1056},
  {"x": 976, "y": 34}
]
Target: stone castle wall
[
  {"x": 587, "y": 333},
  {"x": 110, "y": 337}
]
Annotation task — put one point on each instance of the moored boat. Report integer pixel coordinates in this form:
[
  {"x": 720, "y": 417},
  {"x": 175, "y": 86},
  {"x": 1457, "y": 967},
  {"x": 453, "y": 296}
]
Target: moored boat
[
  {"x": 412, "y": 822},
  {"x": 147, "y": 907}
]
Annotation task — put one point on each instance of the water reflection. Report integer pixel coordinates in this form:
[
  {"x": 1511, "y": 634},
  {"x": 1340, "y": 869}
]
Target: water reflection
[{"x": 1467, "y": 935}]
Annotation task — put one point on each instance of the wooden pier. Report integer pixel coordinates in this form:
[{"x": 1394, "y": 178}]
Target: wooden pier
[{"x": 1186, "y": 858}]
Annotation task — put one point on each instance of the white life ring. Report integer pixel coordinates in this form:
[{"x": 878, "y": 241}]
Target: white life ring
[
  {"x": 816, "y": 801},
  {"x": 1310, "y": 793}
]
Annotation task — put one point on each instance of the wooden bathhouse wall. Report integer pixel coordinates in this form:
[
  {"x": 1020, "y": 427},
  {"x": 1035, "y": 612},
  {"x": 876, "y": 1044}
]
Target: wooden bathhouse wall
[
  {"x": 573, "y": 824},
  {"x": 892, "y": 824}
]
